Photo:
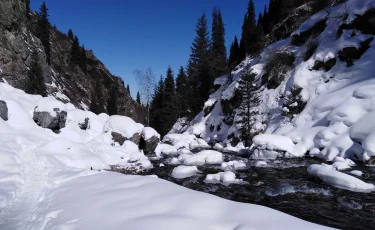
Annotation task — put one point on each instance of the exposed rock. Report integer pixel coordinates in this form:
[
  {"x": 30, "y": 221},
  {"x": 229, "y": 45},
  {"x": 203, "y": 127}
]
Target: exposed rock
[
  {"x": 135, "y": 138},
  {"x": 46, "y": 120},
  {"x": 364, "y": 23},
  {"x": 349, "y": 54},
  {"x": 3, "y": 110},
  {"x": 84, "y": 125},
  {"x": 371, "y": 161},
  {"x": 328, "y": 65},
  {"x": 301, "y": 38},
  {"x": 149, "y": 145},
  {"x": 117, "y": 137}
]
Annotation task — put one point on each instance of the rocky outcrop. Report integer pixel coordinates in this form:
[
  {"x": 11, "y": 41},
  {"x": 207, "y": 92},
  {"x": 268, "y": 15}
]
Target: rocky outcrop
[
  {"x": 149, "y": 146},
  {"x": 46, "y": 120},
  {"x": 65, "y": 80},
  {"x": 3, "y": 110},
  {"x": 117, "y": 137}
]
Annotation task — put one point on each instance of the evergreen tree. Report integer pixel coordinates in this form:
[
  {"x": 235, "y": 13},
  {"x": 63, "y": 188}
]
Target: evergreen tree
[
  {"x": 286, "y": 6},
  {"x": 28, "y": 10},
  {"x": 248, "y": 38},
  {"x": 234, "y": 56},
  {"x": 156, "y": 105},
  {"x": 199, "y": 67},
  {"x": 70, "y": 34},
  {"x": 35, "y": 82},
  {"x": 112, "y": 101},
  {"x": 182, "y": 93},
  {"x": 96, "y": 105},
  {"x": 219, "y": 51},
  {"x": 265, "y": 20},
  {"x": 169, "y": 107},
  {"x": 128, "y": 88},
  {"x": 138, "y": 98},
  {"x": 83, "y": 59},
  {"x": 249, "y": 100},
  {"x": 259, "y": 38},
  {"x": 75, "y": 52},
  {"x": 43, "y": 30}
]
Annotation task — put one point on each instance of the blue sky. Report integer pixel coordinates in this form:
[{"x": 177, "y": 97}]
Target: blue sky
[{"x": 135, "y": 34}]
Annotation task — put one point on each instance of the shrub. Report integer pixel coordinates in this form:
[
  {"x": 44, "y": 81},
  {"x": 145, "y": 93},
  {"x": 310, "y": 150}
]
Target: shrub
[
  {"x": 293, "y": 103},
  {"x": 278, "y": 64},
  {"x": 311, "y": 47}
]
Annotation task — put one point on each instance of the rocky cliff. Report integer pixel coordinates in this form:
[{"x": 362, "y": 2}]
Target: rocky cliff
[{"x": 65, "y": 80}]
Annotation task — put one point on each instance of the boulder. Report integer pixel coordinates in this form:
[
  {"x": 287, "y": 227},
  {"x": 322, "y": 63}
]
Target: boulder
[
  {"x": 149, "y": 146},
  {"x": 85, "y": 124},
  {"x": 117, "y": 137},
  {"x": 3, "y": 110},
  {"x": 136, "y": 138},
  {"x": 46, "y": 120}
]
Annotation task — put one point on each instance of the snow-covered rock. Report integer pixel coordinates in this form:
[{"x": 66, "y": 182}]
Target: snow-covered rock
[
  {"x": 339, "y": 179},
  {"x": 184, "y": 171},
  {"x": 204, "y": 157},
  {"x": 233, "y": 165},
  {"x": 225, "y": 178}
]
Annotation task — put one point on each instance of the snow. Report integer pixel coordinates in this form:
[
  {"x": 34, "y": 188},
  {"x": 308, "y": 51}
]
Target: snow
[
  {"x": 339, "y": 179},
  {"x": 182, "y": 171},
  {"x": 204, "y": 157},
  {"x": 260, "y": 164},
  {"x": 356, "y": 173},
  {"x": 233, "y": 165},
  {"x": 122, "y": 125},
  {"x": 165, "y": 149},
  {"x": 148, "y": 132},
  {"x": 225, "y": 178},
  {"x": 49, "y": 104},
  {"x": 274, "y": 142}
]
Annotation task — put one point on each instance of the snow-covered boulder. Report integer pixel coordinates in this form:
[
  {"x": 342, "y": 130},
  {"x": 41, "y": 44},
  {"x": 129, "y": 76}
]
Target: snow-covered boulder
[
  {"x": 122, "y": 128},
  {"x": 50, "y": 113},
  {"x": 3, "y": 110},
  {"x": 233, "y": 165},
  {"x": 338, "y": 179},
  {"x": 184, "y": 171},
  {"x": 204, "y": 157},
  {"x": 150, "y": 140},
  {"x": 225, "y": 178},
  {"x": 270, "y": 146}
]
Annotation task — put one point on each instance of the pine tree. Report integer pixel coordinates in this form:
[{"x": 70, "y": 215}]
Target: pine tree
[
  {"x": 112, "y": 101},
  {"x": 156, "y": 105},
  {"x": 248, "y": 38},
  {"x": 219, "y": 51},
  {"x": 35, "y": 82},
  {"x": 249, "y": 100},
  {"x": 169, "y": 107},
  {"x": 265, "y": 20},
  {"x": 70, "y": 34},
  {"x": 43, "y": 30},
  {"x": 28, "y": 10},
  {"x": 128, "y": 88},
  {"x": 83, "y": 59},
  {"x": 259, "y": 38},
  {"x": 199, "y": 66},
  {"x": 138, "y": 98},
  {"x": 182, "y": 93},
  {"x": 96, "y": 105},
  {"x": 234, "y": 56},
  {"x": 75, "y": 52}
]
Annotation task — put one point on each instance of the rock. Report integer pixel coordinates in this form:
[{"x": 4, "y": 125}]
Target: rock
[
  {"x": 349, "y": 54},
  {"x": 3, "y": 110},
  {"x": 46, "y": 120},
  {"x": 371, "y": 161},
  {"x": 116, "y": 137},
  {"x": 328, "y": 65},
  {"x": 149, "y": 145},
  {"x": 136, "y": 138},
  {"x": 84, "y": 125}
]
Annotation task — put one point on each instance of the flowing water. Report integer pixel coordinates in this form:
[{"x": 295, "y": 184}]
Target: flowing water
[{"x": 284, "y": 185}]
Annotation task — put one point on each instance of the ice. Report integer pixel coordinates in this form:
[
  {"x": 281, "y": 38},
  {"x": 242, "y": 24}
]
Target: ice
[
  {"x": 339, "y": 179},
  {"x": 183, "y": 171},
  {"x": 225, "y": 178}
]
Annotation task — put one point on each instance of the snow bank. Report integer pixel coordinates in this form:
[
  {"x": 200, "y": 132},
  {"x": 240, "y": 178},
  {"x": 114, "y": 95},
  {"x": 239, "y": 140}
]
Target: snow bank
[
  {"x": 183, "y": 171},
  {"x": 339, "y": 179},
  {"x": 204, "y": 157},
  {"x": 127, "y": 201},
  {"x": 225, "y": 178},
  {"x": 149, "y": 132}
]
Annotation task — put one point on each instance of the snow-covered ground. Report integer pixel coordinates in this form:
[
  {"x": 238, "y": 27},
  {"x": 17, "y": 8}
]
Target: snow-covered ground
[{"x": 54, "y": 180}]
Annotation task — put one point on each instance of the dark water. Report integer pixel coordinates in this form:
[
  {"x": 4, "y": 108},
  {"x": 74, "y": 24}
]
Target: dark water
[{"x": 284, "y": 185}]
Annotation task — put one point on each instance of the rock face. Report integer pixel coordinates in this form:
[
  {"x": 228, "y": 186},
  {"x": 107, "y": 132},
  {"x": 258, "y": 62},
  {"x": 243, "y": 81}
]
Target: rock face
[
  {"x": 46, "y": 120},
  {"x": 3, "y": 110},
  {"x": 65, "y": 80}
]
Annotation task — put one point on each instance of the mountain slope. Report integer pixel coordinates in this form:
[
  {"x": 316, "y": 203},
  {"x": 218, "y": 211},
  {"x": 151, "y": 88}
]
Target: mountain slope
[
  {"x": 65, "y": 80},
  {"x": 322, "y": 102}
]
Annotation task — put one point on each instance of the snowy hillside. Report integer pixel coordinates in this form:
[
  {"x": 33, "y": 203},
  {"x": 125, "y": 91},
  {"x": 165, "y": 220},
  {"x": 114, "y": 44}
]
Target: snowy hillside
[
  {"x": 57, "y": 180},
  {"x": 320, "y": 104}
]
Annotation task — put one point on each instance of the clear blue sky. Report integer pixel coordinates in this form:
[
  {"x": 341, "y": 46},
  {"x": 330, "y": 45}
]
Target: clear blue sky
[{"x": 135, "y": 34}]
